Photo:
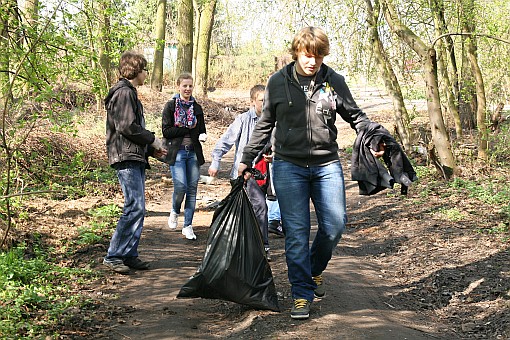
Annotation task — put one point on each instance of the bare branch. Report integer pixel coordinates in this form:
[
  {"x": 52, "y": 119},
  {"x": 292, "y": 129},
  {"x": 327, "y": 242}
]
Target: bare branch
[{"x": 470, "y": 34}]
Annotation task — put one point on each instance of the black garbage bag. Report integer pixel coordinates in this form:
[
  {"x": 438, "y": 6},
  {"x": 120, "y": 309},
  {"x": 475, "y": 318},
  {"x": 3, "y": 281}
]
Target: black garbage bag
[{"x": 234, "y": 267}]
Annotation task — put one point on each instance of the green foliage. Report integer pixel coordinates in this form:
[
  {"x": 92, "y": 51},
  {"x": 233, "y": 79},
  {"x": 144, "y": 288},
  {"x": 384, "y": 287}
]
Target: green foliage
[
  {"x": 35, "y": 293},
  {"x": 495, "y": 192},
  {"x": 101, "y": 225},
  {"x": 413, "y": 92},
  {"x": 499, "y": 142},
  {"x": 452, "y": 214}
]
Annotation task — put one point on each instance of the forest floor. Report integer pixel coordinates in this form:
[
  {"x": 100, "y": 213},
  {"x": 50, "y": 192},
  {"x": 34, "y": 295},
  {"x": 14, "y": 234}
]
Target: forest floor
[{"x": 404, "y": 269}]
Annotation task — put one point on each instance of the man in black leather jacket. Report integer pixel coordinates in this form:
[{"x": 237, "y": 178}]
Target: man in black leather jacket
[{"x": 128, "y": 145}]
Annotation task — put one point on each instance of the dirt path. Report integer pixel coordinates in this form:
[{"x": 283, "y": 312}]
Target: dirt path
[{"x": 358, "y": 303}]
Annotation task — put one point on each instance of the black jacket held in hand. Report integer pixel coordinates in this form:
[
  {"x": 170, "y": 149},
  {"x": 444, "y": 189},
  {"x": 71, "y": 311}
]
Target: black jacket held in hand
[
  {"x": 370, "y": 173},
  {"x": 174, "y": 135},
  {"x": 305, "y": 133},
  {"x": 126, "y": 136}
]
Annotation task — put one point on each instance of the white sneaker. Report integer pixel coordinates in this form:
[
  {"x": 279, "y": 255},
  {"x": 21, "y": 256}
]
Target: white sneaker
[
  {"x": 172, "y": 220},
  {"x": 188, "y": 232}
]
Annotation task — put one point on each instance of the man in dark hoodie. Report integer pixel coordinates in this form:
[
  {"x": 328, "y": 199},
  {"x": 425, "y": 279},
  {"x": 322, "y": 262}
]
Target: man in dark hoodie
[
  {"x": 301, "y": 102},
  {"x": 128, "y": 145}
]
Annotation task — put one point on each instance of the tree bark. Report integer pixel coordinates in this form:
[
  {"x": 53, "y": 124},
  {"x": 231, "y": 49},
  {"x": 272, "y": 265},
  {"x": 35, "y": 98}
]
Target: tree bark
[
  {"x": 184, "y": 37},
  {"x": 467, "y": 15},
  {"x": 159, "y": 47},
  {"x": 104, "y": 42},
  {"x": 7, "y": 18},
  {"x": 402, "y": 121},
  {"x": 197, "y": 8},
  {"x": 428, "y": 58},
  {"x": 437, "y": 8},
  {"x": 204, "y": 43}
]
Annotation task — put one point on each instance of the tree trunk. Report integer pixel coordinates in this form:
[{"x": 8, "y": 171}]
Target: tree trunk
[
  {"x": 467, "y": 16},
  {"x": 8, "y": 23},
  {"x": 31, "y": 12},
  {"x": 437, "y": 7},
  {"x": 184, "y": 37},
  {"x": 197, "y": 20},
  {"x": 159, "y": 48},
  {"x": 402, "y": 120},
  {"x": 204, "y": 43},
  {"x": 428, "y": 58},
  {"x": 7, "y": 17},
  {"x": 104, "y": 42}
]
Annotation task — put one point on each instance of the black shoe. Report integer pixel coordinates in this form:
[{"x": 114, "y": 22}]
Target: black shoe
[
  {"x": 136, "y": 263},
  {"x": 275, "y": 227},
  {"x": 301, "y": 309},
  {"x": 320, "y": 291}
]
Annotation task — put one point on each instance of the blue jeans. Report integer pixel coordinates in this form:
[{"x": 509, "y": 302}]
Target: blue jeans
[
  {"x": 185, "y": 176},
  {"x": 273, "y": 210},
  {"x": 124, "y": 242},
  {"x": 295, "y": 186}
]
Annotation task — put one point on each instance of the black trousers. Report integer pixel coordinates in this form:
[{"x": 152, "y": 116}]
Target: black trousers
[{"x": 258, "y": 201}]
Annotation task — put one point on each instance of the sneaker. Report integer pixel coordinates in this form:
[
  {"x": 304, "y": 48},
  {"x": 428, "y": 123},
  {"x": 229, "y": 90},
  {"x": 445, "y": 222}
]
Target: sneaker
[
  {"x": 117, "y": 266},
  {"x": 172, "y": 220},
  {"x": 268, "y": 255},
  {"x": 136, "y": 263},
  {"x": 320, "y": 291},
  {"x": 188, "y": 232},
  {"x": 275, "y": 227},
  {"x": 300, "y": 309}
]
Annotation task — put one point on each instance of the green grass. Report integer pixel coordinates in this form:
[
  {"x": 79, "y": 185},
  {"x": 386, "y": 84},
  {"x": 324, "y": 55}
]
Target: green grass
[
  {"x": 35, "y": 293},
  {"x": 103, "y": 221}
]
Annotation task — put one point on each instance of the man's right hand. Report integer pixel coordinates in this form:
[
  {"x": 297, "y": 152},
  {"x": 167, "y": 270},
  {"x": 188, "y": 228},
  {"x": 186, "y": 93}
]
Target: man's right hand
[
  {"x": 240, "y": 170},
  {"x": 213, "y": 172}
]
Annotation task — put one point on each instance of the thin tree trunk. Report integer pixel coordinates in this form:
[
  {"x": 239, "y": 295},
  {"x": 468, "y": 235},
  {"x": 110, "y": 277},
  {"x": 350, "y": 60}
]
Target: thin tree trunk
[
  {"x": 8, "y": 23},
  {"x": 196, "y": 36},
  {"x": 402, "y": 120},
  {"x": 104, "y": 42},
  {"x": 481, "y": 113},
  {"x": 159, "y": 48},
  {"x": 90, "y": 12},
  {"x": 184, "y": 37},
  {"x": 437, "y": 8},
  {"x": 428, "y": 57},
  {"x": 6, "y": 19},
  {"x": 204, "y": 43}
]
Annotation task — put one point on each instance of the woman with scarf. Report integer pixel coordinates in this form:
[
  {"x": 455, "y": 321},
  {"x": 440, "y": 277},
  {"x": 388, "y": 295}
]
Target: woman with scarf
[{"x": 183, "y": 127}]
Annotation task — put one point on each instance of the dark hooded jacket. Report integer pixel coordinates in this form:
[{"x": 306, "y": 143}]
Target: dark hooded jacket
[
  {"x": 371, "y": 174},
  {"x": 305, "y": 134},
  {"x": 126, "y": 136}
]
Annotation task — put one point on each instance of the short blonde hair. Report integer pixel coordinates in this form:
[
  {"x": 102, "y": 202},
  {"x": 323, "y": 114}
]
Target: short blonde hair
[
  {"x": 182, "y": 76},
  {"x": 312, "y": 40}
]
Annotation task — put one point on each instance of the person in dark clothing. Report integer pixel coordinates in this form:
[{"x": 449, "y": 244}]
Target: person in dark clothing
[
  {"x": 183, "y": 126},
  {"x": 300, "y": 103},
  {"x": 128, "y": 145}
]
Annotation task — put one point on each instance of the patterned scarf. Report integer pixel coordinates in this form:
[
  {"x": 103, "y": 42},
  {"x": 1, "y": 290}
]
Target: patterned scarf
[{"x": 184, "y": 115}]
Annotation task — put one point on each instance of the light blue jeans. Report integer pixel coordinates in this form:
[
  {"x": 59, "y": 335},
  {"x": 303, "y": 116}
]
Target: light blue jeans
[
  {"x": 185, "y": 176},
  {"x": 295, "y": 186},
  {"x": 124, "y": 242},
  {"x": 273, "y": 210}
]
